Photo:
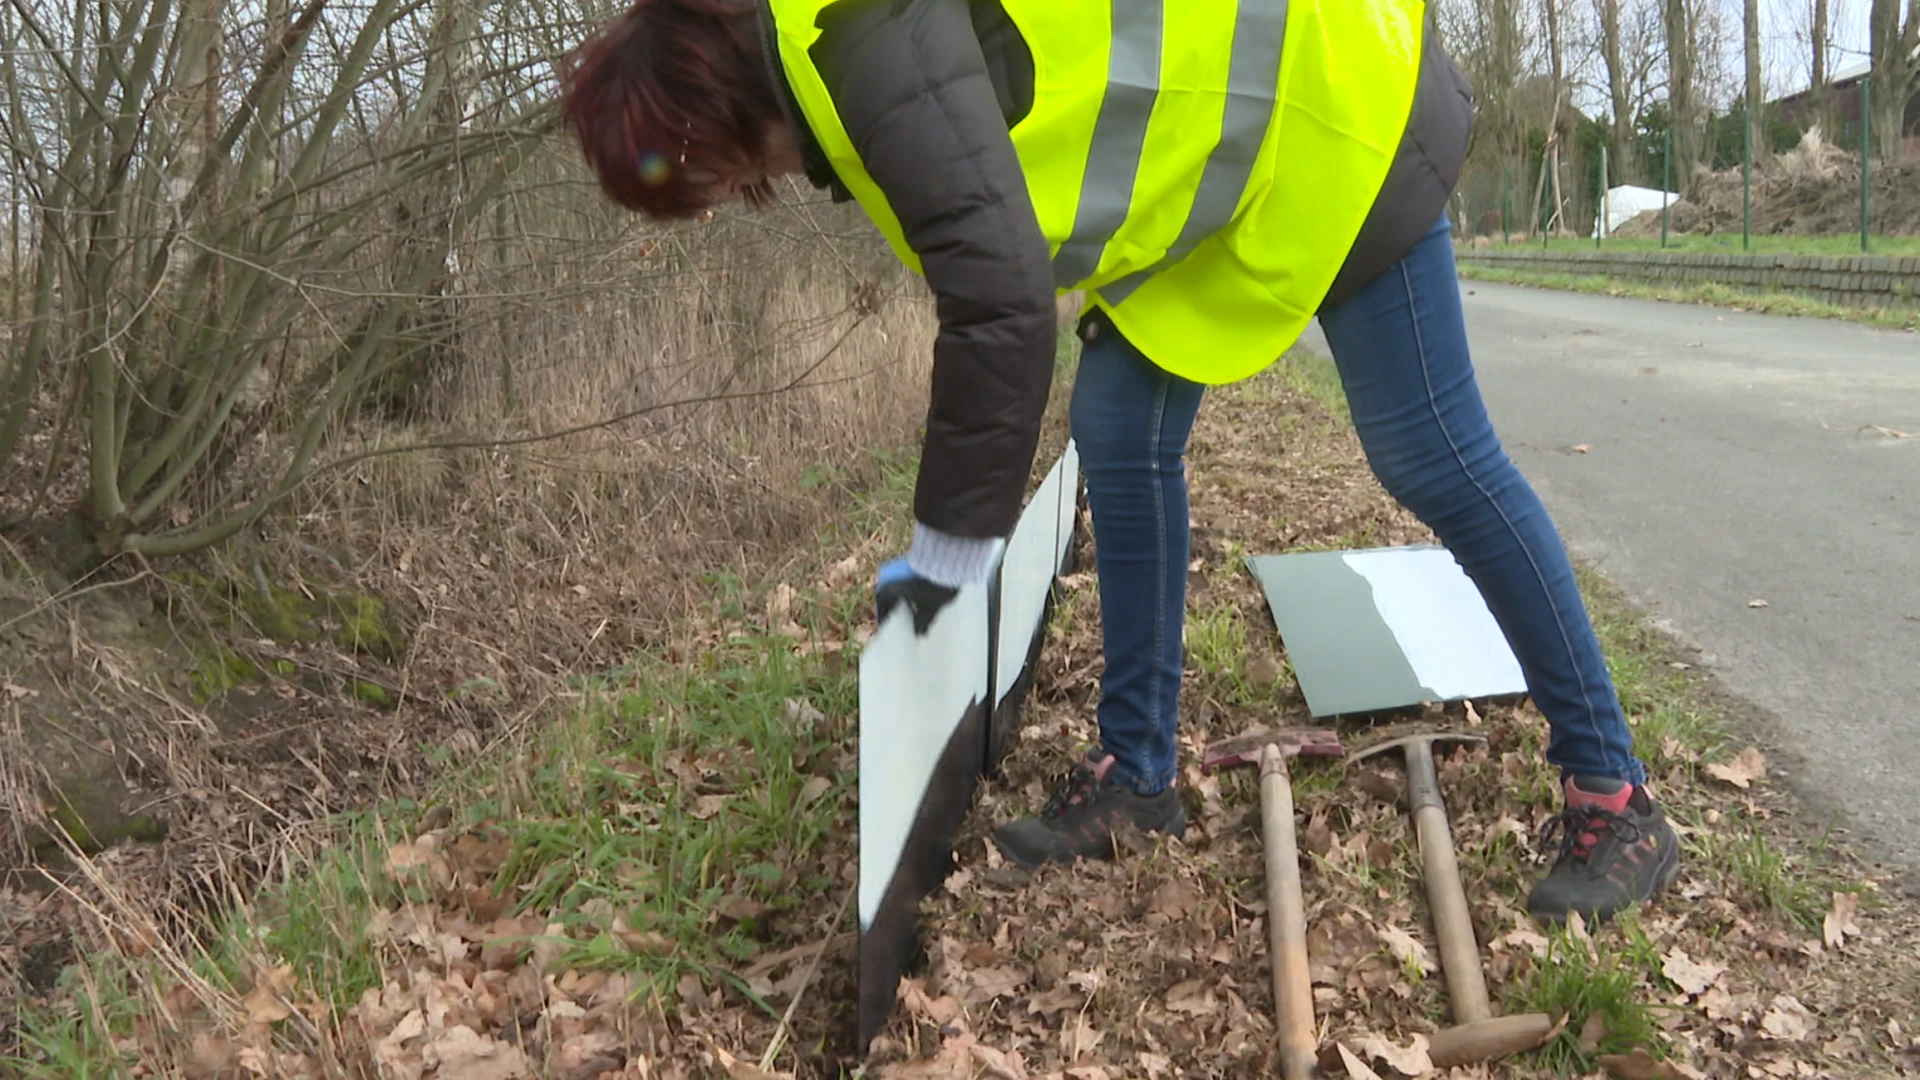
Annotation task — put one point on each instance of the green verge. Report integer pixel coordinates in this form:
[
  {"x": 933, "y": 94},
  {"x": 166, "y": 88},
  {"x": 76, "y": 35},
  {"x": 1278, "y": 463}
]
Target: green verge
[
  {"x": 1713, "y": 294},
  {"x": 715, "y": 778},
  {"x": 671, "y": 818}
]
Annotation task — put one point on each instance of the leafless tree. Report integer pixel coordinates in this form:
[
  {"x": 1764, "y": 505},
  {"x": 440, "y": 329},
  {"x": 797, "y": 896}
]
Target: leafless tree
[
  {"x": 196, "y": 207},
  {"x": 1756, "y": 93},
  {"x": 1681, "y": 112},
  {"x": 1894, "y": 42}
]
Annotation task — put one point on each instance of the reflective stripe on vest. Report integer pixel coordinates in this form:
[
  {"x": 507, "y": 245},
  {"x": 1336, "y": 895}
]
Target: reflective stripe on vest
[
  {"x": 1259, "y": 36},
  {"x": 1120, "y": 133}
]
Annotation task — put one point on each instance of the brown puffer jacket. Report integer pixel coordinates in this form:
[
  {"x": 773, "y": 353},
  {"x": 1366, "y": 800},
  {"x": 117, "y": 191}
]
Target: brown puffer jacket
[{"x": 927, "y": 91}]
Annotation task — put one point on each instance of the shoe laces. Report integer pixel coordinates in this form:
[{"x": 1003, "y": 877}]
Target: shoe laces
[
  {"x": 1580, "y": 829},
  {"x": 1074, "y": 791}
]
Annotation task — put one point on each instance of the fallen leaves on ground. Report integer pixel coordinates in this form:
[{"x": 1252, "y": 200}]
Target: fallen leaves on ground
[
  {"x": 1690, "y": 975},
  {"x": 1148, "y": 967},
  {"x": 1749, "y": 765},
  {"x": 1157, "y": 964},
  {"x": 1838, "y": 924}
]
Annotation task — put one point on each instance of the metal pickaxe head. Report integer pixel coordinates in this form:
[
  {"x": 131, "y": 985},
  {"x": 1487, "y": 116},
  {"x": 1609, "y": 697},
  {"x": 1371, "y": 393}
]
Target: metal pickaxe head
[
  {"x": 1245, "y": 748},
  {"x": 1430, "y": 738}
]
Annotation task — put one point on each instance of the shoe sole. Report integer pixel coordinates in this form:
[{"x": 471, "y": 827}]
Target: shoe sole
[{"x": 1176, "y": 827}]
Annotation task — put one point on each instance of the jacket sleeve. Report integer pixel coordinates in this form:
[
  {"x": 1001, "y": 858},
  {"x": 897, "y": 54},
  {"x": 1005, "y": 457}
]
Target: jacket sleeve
[{"x": 916, "y": 100}]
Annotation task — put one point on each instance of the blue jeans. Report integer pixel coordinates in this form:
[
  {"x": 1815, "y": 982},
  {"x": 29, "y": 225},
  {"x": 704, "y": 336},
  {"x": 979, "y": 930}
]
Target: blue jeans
[{"x": 1400, "y": 345}]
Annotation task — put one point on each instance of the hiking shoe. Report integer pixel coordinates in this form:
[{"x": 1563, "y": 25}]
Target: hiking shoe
[
  {"x": 1079, "y": 819},
  {"x": 1616, "y": 849}
]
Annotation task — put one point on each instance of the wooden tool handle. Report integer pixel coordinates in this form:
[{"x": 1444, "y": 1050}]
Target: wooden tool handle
[
  {"x": 1286, "y": 920},
  {"x": 1488, "y": 1040},
  {"x": 1446, "y": 896}
]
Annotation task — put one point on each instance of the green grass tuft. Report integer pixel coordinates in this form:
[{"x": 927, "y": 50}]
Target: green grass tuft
[
  {"x": 1579, "y": 978},
  {"x": 1769, "y": 878},
  {"x": 1217, "y": 646}
]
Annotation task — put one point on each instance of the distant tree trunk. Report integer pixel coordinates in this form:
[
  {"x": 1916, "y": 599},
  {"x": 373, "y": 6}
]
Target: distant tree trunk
[
  {"x": 436, "y": 222},
  {"x": 1822, "y": 93},
  {"x": 1756, "y": 92},
  {"x": 261, "y": 162},
  {"x": 1895, "y": 76},
  {"x": 1624, "y": 164},
  {"x": 1686, "y": 150},
  {"x": 1499, "y": 71}
]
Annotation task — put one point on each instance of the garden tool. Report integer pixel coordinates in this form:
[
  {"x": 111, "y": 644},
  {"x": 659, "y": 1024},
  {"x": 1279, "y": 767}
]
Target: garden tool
[
  {"x": 1477, "y": 1035},
  {"x": 1286, "y": 911}
]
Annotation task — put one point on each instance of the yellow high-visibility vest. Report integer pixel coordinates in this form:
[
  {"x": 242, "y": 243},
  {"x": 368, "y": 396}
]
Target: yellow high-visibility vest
[{"x": 1200, "y": 167}]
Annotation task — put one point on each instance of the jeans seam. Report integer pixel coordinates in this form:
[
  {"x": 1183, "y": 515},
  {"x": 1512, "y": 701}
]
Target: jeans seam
[
  {"x": 1559, "y": 621},
  {"x": 1156, "y": 429}
]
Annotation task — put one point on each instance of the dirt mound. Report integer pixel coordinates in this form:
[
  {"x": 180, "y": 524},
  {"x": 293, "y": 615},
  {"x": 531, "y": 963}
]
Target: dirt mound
[{"x": 1811, "y": 190}]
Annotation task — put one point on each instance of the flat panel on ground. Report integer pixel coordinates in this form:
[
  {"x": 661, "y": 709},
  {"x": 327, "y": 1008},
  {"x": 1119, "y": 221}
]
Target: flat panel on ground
[{"x": 1385, "y": 628}]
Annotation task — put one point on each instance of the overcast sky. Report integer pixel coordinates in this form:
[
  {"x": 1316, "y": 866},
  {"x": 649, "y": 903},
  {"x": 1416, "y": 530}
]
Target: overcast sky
[
  {"x": 1786, "y": 48},
  {"x": 1784, "y": 43}
]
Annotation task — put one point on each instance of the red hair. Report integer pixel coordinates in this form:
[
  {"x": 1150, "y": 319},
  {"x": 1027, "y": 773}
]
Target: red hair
[{"x": 671, "y": 86}]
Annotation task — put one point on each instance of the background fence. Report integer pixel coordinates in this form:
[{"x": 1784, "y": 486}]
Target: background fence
[{"x": 1850, "y": 280}]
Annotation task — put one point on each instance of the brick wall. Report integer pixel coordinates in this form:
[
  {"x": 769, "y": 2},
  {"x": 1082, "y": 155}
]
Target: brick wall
[{"x": 1850, "y": 280}]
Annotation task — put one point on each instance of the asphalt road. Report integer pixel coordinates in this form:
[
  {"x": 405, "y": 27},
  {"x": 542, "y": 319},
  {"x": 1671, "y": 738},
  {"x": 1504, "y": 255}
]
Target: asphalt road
[{"x": 1728, "y": 459}]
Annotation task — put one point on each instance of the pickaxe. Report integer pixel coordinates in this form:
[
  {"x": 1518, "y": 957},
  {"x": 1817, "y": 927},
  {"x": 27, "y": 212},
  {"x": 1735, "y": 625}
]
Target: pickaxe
[
  {"x": 1286, "y": 911},
  {"x": 1477, "y": 1035}
]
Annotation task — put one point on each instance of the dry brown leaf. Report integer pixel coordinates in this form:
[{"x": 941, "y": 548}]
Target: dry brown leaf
[
  {"x": 1410, "y": 1060},
  {"x": 1318, "y": 837},
  {"x": 1406, "y": 948},
  {"x": 1175, "y": 899},
  {"x": 745, "y": 1070},
  {"x": 1356, "y": 1068},
  {"x": 1192, "y": 997},
  {"x": 1155, "y": 1064},
  {"x": 1263, "y": 671},
  {"x": 1692, "y": 976},
  {"x": 1720, "y": 1004},
  {"x": 1079, "y": 1037},
  {"x": 1592, "y": 1031},
  {"x": 209, "y": 1056},
  {"x": 419, "y": 855},
  {"x": 843, "y": 571},
  {"x": 1002, "y": 1064},
  {"x": 463, "y": 1052},
  {"x": 264, "y": 1006},
  {"x": 941, "y": 1010},
  {"x": 1749, "y": 765},
  {"x": 481, "y": 854},
  {"x": 988, "y": 983},
  {"x": 1526, "y": 938},
  {"x": 1508, "y": 825},
  {"x": 587, "y": 1055},
  {"x": 1839, "y": 924},
  {"x": 706, "y": 806},
  {"x": 1087, "y": 981},
  {"x": 811, "y": 791},
  {"x": 1786, "y": 1019},
  {"x": 779, "y": 604},
  {"x": 1639, "y": 1065}
]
